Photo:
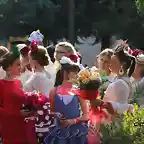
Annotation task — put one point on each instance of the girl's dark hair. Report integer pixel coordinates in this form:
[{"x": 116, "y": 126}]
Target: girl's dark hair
[
  {"x": 127, "y": 60},
  {"x": 65, "y": 67},
  {"x": 70, "y": 68},
  {"x": 7, "y": 60}
]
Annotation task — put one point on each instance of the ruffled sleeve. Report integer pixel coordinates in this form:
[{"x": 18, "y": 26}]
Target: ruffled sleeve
[{"x": 118, "y": 94}]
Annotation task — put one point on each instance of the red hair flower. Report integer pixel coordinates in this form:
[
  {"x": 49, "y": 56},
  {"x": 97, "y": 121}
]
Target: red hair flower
[
  {"x": 73, "y": 58},
  {"x": 137, "y": 52},
  {"x": 24, "y": 51},
  {"x": 33, "y": 46}
]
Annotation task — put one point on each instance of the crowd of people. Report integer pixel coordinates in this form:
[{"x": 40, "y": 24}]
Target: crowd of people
[{"x": 64, "y": 118}]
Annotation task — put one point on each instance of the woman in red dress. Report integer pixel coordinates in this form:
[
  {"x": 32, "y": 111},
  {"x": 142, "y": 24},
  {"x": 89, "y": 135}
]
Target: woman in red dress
[{"x": 12, "y": 99}]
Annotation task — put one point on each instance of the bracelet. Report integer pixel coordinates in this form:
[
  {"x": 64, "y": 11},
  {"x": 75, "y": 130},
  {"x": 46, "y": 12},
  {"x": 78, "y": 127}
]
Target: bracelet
[{"x": 78, "y": 120}]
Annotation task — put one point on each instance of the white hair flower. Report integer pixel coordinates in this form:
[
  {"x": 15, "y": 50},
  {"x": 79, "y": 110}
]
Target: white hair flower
[
  {"x": 36, "y": 36},
  {"x": 66, "y": 60}
]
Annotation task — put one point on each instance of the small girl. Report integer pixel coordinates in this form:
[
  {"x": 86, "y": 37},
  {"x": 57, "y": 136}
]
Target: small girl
[{"x": 70, "y": 125}]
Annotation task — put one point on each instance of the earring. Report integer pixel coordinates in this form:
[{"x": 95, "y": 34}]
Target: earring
[
  {"x": 121, "y": 71},
  {"x": 8, "y": 75}
]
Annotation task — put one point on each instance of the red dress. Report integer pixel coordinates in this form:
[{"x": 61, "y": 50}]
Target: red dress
[{"x": 12, "y": 98}]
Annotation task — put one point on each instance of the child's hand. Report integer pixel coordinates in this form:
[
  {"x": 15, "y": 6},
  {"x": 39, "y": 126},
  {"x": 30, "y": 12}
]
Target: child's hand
[
  {"x": 108, "y": 106},
  {"x": 66, "y": 123}
]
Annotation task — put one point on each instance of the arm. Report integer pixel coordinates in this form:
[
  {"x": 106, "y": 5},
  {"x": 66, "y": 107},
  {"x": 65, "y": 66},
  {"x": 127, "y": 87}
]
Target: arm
[
  {"x": 52, "y": 99},
  {"x": 83, "y": 118},
  {"x": 85, "y": 111},
  {"x": 121, "y": 108},
  {"x": 119, "y": 104}
]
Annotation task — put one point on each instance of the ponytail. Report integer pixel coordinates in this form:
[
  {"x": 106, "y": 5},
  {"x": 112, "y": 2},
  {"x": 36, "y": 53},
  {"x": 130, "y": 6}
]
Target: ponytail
[{"x": 132, "y": 66}]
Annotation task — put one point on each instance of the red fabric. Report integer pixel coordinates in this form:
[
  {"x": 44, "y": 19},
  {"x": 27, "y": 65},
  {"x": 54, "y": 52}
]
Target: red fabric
[
  {"x": 97, "y": 114},
  {"x": 88, "y": 94},
  {"x": 12, "y": 98}
]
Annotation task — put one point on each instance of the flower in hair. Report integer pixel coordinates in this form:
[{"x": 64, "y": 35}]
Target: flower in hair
[
  {"x": 24, "y": 51},
  {"x": 66, "y": 60},
  {"x": 36, "y": 36},
  {"x": 73, "y": 58},
  {"x": 33, "y": 46},
  {"x": 121, "y": 47},
  {"x": 137, "y": 52}
]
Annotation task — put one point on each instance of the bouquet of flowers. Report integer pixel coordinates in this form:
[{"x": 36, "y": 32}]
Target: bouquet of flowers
[
  {"x": 37, "y": 100},
  {"x": 88, "y": 83}
]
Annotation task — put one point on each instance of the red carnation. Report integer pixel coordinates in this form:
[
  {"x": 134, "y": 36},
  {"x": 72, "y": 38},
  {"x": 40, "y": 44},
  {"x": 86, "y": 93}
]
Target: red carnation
[
  {"x": 137, "y": 52},
  {"x": 25, "y": 51},
  {"x": 73, "y": 58},
  {"x": 33, "y": 46}
]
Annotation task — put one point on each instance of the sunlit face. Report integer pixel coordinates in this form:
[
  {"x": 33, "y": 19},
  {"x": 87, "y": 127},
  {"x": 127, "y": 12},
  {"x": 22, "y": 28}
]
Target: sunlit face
[
  {"x": 60, "y": 52},
  {"x": 33, "y": 63},
  {"x": 24, "y": 62},
  {"x": 15, "y": 68},
  {"x": 115, "y": 64},
  {"x": 103, "y": 63},
  {"x": 72, "y": 75}
]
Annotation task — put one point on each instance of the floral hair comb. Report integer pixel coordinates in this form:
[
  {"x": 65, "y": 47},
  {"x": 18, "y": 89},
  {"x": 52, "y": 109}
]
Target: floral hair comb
[{"x": 121, "y": 47}]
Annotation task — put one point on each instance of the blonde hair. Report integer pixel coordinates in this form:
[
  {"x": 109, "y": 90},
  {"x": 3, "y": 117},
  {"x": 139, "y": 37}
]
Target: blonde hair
[
  {"x": 107, "y": 52},
  {"x": 67, "y": 46}
]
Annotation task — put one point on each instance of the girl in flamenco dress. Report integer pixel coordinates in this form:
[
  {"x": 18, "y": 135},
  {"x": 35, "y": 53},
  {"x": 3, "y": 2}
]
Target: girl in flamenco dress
[
  {"x": 42, "y": 81},
  {"x": 71, "y": 127},
  {"x": 12, "y": 99}
]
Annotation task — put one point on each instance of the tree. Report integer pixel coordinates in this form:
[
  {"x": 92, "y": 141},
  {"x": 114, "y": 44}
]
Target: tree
[
  {"x": 22, "y": 17},
  {"x": 140, "y": 6}
]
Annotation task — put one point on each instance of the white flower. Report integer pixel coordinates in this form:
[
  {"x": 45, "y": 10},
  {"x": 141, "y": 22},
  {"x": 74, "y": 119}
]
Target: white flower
[
  {"x": 66, "y": 60},
  {"x": 45, "y": 107},
  {"x": 36, "y": 36},
  {"x": 40, "y": 112},
  {"x": 47, "y": 117}
]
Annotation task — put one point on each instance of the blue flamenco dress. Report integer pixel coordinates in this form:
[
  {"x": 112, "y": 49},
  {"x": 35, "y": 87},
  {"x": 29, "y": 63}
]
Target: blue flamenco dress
[{"x": 68, "y": 106}]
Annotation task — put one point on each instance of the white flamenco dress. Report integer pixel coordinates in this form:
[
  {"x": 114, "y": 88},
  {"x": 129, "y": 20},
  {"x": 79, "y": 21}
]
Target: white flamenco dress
[
  {"x": 119, "y": 94},
  {"x": 43, "y": 82},
  {"x": 25, "y": 76}
]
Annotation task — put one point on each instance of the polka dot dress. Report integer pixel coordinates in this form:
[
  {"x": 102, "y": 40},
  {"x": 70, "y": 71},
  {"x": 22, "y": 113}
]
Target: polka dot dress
[{"x": 43, "y": 121}]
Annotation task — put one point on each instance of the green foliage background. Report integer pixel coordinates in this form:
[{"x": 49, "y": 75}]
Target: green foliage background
[
  {"x": 101, "y": 18},
  {"x": 126, "y": 130}
]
